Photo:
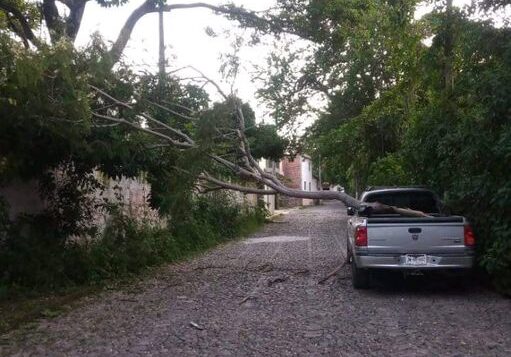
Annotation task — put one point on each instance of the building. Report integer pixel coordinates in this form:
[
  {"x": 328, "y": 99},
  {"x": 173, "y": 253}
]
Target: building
[
  {"x": 272, "y": 167},
  {"x": 298, "y": 174}
]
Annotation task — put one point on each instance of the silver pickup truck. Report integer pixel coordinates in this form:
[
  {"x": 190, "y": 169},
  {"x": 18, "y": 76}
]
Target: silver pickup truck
[{"x": 409, "y": 244}]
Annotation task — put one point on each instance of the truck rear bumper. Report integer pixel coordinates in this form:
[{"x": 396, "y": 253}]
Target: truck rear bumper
[{"x": 397, "y": 261}]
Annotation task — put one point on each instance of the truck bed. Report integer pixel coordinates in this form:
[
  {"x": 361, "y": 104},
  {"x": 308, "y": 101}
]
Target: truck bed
[{"x": 394, "y": 218}]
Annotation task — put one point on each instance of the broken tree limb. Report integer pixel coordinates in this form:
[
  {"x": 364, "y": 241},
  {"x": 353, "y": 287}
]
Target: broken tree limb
[
  {"x": 248, "y": 168},
  {"x": 333, "y": 272},
  {"x": 380, "y": 208}
]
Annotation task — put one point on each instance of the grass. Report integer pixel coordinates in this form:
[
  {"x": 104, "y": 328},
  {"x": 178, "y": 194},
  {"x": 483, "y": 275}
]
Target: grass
[{"x": 20, "y": 310}]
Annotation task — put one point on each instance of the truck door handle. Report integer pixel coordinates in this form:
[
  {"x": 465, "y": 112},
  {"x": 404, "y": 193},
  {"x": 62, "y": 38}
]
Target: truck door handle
[{"x": 414, "y": 230}]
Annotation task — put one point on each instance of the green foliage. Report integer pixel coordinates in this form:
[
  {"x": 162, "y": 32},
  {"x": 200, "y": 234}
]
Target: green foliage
[
  {"x": 33, "y": 254},
  {"x": 401, "y": 122},
  {"x": 264, "y": 139},
  {"x": 360, "y": 46},
  {"x": 466, "y": 141},
  {"x": 4, "y": 220},
  {"x": 351, "y": 152},
  {"x": 48, "y": 135},
  {"x": 389, "y": 170},
  {"x": 34, "y": 257},
  {"x": 265, "y": 142},
  {"x": 44, "y": 108},
  {"x": 214, "y": 219}
]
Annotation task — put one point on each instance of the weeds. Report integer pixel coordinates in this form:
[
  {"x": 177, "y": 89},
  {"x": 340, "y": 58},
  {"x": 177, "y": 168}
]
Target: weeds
[{"x": 34, "y": 258}]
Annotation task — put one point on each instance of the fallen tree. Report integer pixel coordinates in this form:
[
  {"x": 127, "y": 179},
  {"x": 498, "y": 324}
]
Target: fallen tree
[{"x": 245, "y": 167}]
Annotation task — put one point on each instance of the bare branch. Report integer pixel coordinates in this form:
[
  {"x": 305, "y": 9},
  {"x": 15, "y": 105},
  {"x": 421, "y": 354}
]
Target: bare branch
[
  {"x": 150, "y": 6},
  {"x": 17, "y": 30},
  {"x": 146, "y": 130},
  {"x": 179, "y": 106},
  {"x": 171, "y": 111},
  {"x": 207, "y": 189},
  {"x": 108, "y": 96},
  {"x": 148, "y": 117},
  {"x": 105, "y": 125},
  {"x": 209, "y": 80},
  {"x": 245, "y": 146},
  {"x": 74, "y": 20},
  {"x": 52, "y": 19},
  {"x": 252, "y": 169}
]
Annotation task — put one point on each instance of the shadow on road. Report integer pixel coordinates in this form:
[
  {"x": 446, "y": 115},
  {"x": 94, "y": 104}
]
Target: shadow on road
[{"x": 430, "y": 283}]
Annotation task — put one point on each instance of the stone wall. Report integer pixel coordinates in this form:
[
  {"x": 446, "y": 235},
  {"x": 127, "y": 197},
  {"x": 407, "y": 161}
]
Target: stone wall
[{"x": 131, "y": 194}]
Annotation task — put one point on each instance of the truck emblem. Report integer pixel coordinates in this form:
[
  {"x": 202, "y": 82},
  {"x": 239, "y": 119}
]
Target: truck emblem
[{"x": 415, "y": 236}]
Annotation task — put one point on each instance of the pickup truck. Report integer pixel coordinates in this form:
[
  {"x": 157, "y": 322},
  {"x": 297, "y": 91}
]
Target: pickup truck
[{"x": 408, "y": 244}]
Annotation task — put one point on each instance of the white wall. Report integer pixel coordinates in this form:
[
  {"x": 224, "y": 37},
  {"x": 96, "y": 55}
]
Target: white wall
[
  {"x": 308, "y": 183},
  {"x": 273, "y": 168}
]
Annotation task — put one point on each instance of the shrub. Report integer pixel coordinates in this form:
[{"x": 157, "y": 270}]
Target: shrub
[
  {"x": 389, "y": 170},
  {"x": 37, "y": 256}
]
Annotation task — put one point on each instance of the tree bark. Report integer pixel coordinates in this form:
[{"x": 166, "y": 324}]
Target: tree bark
[
  {"x": 26, "y": 33},
  {"x": 51, "y": 17},
  {"x": 74, "y": 20}
]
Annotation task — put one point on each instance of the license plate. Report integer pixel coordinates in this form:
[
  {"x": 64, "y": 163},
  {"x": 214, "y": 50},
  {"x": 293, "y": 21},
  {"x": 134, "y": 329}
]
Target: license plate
[{"x": 414, "y": 260}]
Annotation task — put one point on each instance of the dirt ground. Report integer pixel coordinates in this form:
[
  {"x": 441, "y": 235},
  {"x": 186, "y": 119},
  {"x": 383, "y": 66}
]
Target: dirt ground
[{"x": 260, "y": 297}]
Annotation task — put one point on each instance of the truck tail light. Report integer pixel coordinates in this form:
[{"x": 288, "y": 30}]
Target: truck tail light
[
  {"x": 361, "y": 236},
  {"x": 470, "y": 239}
]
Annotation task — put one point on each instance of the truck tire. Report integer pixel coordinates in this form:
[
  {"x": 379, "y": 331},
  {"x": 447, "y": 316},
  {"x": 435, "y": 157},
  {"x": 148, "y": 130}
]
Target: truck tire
[{"x": 359, "y": 277}]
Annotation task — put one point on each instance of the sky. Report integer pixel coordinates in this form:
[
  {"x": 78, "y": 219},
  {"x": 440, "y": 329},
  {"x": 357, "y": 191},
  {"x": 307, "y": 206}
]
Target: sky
[{"x": 187, "y": 43}]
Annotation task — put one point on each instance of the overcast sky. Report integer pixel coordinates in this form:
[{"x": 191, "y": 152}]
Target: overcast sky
[{"x": 186, "y": 40}]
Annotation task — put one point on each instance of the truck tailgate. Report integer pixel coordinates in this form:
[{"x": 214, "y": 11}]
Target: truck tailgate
[{"x": 422, "y": 235}]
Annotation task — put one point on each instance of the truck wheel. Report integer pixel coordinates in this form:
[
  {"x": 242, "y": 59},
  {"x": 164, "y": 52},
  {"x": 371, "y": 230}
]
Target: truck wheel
[{"x": 359, "y": 277}]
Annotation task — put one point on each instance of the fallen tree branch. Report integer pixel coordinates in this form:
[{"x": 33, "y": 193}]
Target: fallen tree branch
[
  {"x": 234, "y": 187},
  {"x": 250, "y": 168},
  {"x": 379, "y": 208}
]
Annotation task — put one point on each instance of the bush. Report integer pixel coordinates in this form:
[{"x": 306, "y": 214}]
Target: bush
[
  {"x": 388, "y": 170},
  {"x": 36, "y": 255},
  {"x": 214, "y": 219}
]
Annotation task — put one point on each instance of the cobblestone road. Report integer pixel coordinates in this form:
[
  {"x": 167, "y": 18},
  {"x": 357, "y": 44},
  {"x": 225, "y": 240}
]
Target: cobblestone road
[{"x": 261, "y": 297}]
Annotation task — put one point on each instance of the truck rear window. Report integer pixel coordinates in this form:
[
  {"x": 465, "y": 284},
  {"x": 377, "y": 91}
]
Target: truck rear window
[{"x": 416, "y": 200}]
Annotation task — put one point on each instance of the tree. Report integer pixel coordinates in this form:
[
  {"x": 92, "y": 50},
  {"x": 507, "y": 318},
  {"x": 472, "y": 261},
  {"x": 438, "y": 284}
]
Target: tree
[
  {"x": 431, "y": 113},
  {"x": 170, "y": 126},
  {"x": 23, "y": 18},
  {"x": 238, "y": 160}
]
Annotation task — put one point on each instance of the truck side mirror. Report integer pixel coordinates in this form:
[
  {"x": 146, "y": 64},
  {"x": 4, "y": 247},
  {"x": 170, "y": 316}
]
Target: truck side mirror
[{"x": 350, "y": 211}]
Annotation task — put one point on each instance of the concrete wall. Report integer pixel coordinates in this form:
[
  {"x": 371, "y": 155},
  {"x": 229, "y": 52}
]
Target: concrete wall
[
  {"x": 270, "y": 201},
  {"x": 133, "y": 194}
]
